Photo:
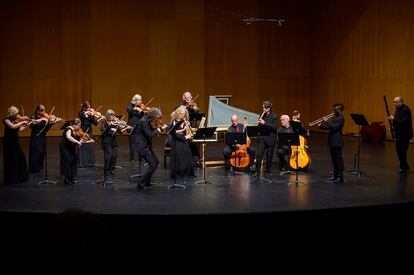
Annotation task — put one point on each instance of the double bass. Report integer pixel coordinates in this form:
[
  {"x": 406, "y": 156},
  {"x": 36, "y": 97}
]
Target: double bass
[
  {"x": 300, "y": 152},
  {"x": 240, "y": 157}
]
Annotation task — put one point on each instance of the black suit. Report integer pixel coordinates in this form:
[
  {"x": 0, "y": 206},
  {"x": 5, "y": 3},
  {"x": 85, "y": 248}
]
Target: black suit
[
  {"x": 133, "y": 118},
  {"x": 109, "y": 146},
  {"x": 228, "y": 150},
  {"x": 335, "y": 143},
  {"x": 143, "y": 137},
  {"x": 403, "y": 133},
  {"x": 284, "y": 150},
  {"x": 267, "y": 141}
]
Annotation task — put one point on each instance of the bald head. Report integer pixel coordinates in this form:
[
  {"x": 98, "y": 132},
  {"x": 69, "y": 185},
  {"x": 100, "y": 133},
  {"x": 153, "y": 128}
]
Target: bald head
[
  {"x": 234, "y": 120},
  {"x": 398, "y": 101},
  {"x": 284, "y": 120}
]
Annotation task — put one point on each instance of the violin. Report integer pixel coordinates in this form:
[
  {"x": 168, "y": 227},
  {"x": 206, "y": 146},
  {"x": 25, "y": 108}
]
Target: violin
[
  {"x": 192, "y": 104},
  {"x": 94, "y": 113},
  {"x": 143, "y": 107},
  {"x": 299, "y": 158},
  {"x": 157, "y": 124},
  {"x": 83, "y": 135},
  {"x": 51, "y": 118},
  {"x": 19, "y": 119},
  {"x": 240, "y": 158},
  {"x": 188, "y": 132}
]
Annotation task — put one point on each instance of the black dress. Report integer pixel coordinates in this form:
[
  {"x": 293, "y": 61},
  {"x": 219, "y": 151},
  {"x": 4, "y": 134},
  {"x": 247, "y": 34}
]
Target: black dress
[
  {"x": 15, "y": 166},
  {"x": 68, "y": 155},
  {"x": 181, "y": 157},
  {"x": 87, "y": 150},
  {"x": 37, "y": 148}
]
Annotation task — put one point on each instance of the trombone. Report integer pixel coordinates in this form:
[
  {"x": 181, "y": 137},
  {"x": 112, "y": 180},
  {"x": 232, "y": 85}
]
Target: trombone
[{"x": 320, "y": 120}]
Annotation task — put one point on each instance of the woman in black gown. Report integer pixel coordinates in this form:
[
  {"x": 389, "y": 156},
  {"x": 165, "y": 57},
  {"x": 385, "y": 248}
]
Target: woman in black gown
[
  {"x": 181, "y": 157},
  {"x": 37, "y": 148},
  {"x": 15, "y": 166},
  {"x": 88, "y": 118},
  {"x": 68, "y": 154}
]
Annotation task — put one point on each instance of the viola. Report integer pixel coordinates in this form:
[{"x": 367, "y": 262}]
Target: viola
[{"x": 240, "y": 158}]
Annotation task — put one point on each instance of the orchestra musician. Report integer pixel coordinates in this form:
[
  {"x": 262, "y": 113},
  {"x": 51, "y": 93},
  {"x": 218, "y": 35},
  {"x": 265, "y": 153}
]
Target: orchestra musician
[
  {"x": 135, "y": 112},
  {"x": 68, "y": 152},
  {"x": 181, "y": 158},
  {"x": 283, "y": 150},
  {"x": 148, "y": 127},
  {"x": 37, "y": 147},
  {"x": 335, "y": 141},
  {"x": 192, "y": 108},
  {"x": 88, "y": 117},
  {"x": 236, "y": 127},
  {"x": 110, "y": 126},
  {"x": 268, "y": 125},
  {"x": 15, "y": 166},
  {"x": 403, "y": 128}
]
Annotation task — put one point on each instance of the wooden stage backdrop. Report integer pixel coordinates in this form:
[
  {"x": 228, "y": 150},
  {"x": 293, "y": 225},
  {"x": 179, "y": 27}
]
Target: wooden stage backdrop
[{"x": 60, "y": 53}]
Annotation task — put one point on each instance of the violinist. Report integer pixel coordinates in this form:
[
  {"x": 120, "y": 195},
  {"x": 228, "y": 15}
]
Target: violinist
[
  {"x": 267, "y": 140},
  {"x": 148, "y": 127},
  {"x": 135, "y": 112},
  {"x": 37, "y": 147},
  {"x": 109, "y": 127},
  {"x": 236, "y": 127},
  {"x": 15, "y": 166},
  {"x": 192, "y": 107},
  {"x": 67, "y": 149},
  {"x": 181, "y": 164},
  {"x": 88, "y": 117}
]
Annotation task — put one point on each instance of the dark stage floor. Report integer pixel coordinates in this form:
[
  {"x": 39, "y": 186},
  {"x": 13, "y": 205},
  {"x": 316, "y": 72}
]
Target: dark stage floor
[{"x": 381, "y": 185}]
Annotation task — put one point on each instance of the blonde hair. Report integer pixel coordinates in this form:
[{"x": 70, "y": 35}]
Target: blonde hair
[
  {"x": 109, "y": 113},
  {"x": 176, "y": 114},
  {"x": 136, "y": 98},
  {"x": 12, "y": 111},
  {"x": 76, "y": 121}
]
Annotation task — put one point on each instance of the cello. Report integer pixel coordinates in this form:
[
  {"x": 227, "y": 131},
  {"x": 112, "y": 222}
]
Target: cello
[
  {"x": 240, "y": 157},
  {"x": 303, "y": 159}
]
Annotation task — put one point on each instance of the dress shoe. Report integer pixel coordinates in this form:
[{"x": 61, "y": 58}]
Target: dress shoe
[
  {"x": 339, "y": 180},
  {"x": 67, "y": 181},
  {"x": 256, "y": 174},
  {"x": 403, "y": 171}
]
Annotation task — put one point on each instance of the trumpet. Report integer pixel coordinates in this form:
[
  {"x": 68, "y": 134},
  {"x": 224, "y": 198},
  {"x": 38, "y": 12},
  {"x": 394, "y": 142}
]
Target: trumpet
[{"x": 320, "y": 120}]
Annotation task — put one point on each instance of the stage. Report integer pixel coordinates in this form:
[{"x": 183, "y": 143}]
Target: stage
[{"x": 226, "y": 194}]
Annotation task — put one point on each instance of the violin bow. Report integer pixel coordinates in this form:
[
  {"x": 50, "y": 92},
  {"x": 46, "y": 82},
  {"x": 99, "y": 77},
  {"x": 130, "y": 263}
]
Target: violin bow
[
  {"x": 116, "y": 129},
  {"x": 47, "y": 122}
]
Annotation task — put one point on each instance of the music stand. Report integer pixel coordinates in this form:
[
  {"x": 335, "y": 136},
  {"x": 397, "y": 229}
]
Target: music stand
[
  {"x": 290, "y": 139},
  {"x": 359, "y": 120},
  {"x": 204, "y": 133},
  {"x": 232, "y": 139},
  {"x": 173, "y": 129},
  {"x": 47, "y": 128},
  {"x": 195, "y": 117},
  {"x": 257, "y": 131}
]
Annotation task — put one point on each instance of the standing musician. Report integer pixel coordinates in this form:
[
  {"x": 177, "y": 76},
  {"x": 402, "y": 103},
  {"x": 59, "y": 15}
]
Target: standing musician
[
  {"x": 15, "y": 166},
  {"x": 88, "y": 118},
  {"x": 236, "y": 127},
  {"x": 136, "y": 110},
  {"x": 284, "y": 151},
  {"x": 110, "y": 126},
  {"x": 192, "y": 108},
  {"x": 267, "y": 142},
  {"x": 335, "y": 141},
  {"x": 148, "y": 127},
  {"x": 37, "y": 147},
  {"x": 67, "y": 149},
  {"x": 181, "y": 158},
  {"x": 403, "y": 128}
]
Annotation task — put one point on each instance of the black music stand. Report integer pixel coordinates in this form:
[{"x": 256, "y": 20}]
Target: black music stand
[
  {"x": 45, "y": 130},
  {"x": 257, "y": 131},
  {"x": 195, "y": 117},
  {"x": 173, "y": 129},
  {"x": 203, "y": 134},
  {"x": 290, "y": 139},
  {"x": 359, "y": 120},
  {"x": 232, "y": 139}
]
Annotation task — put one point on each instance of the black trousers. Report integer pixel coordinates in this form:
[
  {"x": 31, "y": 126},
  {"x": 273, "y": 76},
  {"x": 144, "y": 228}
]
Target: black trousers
[
  {"x": 194, "y": 149},
  {"x": 283, "y": 153},
  {"x": 132, "y": 150},
  {"x": 148, "y": 155},
  {"x": 110, "y": 157},
  {"x": 402, "y": 147},
  {"x": 228, "y": 150},
  {"x": 266, "y": 144},
  {"x": 337, "y": 161}
]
